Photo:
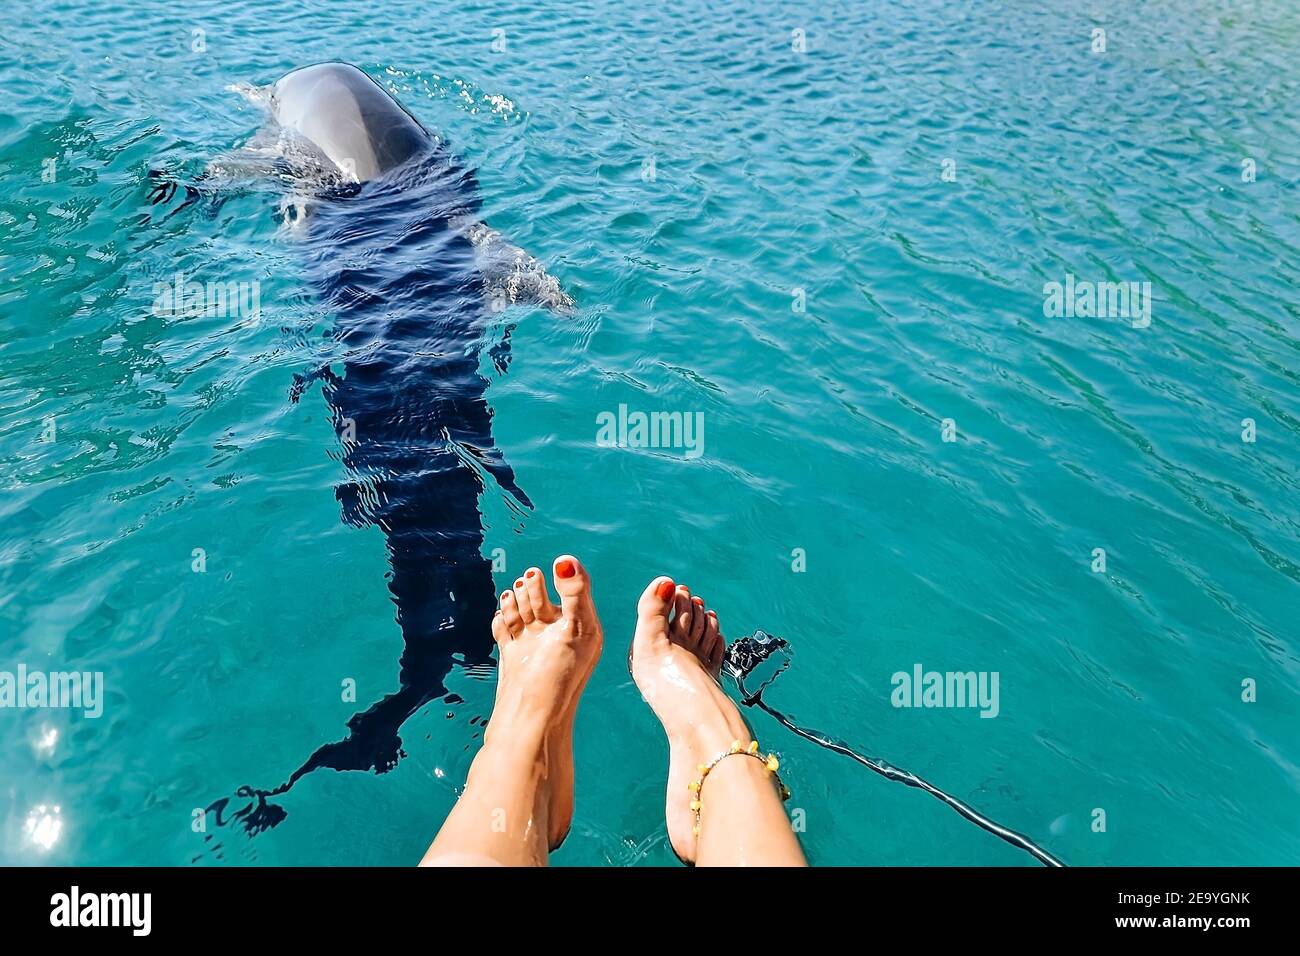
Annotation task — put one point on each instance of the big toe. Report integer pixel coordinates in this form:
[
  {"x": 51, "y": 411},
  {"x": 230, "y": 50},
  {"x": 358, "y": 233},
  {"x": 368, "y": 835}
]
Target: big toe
[
  {"x": 574, "y": 585},
  {"x": 653, "y": 609}
]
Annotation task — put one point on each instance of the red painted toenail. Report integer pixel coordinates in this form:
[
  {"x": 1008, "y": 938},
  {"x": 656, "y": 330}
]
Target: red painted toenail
[
  {"x": 666, "y": 590},
  {"x": 699, "y": 601},
  {"x": 529, "y": 573},
  {"x": 504, "y": 595},
  {"x": 519, "y": 583},
  {"x": 566, "y": 569}
]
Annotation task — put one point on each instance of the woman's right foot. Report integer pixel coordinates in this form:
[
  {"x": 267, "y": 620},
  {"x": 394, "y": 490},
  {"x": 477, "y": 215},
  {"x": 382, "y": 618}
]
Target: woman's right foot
[{"x": 676, "y": 664}]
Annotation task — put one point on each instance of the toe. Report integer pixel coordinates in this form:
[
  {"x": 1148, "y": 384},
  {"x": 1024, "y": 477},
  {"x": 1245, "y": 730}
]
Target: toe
[
  {"x": 710, "y": 654},
  {"x": 715, "y": 644},
  {"x": 698, "y": 621},
  {"x": 683, "y": 618},
  {"x": 523, "y": 602},
  {"x": 712, "y": 630},
  {"x": 510, "y": 612},
  {"x": 574, "y": 585},
  {"x": 500, "y": 633},
  {"x": 657, "y": 600},
  {"x": 538, "y": 599}
]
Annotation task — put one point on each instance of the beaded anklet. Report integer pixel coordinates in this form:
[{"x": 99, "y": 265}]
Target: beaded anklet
[{"x": 770, "y": 763}]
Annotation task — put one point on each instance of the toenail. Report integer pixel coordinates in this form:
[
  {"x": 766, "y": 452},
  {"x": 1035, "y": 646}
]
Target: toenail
[
  {"x": 519, "y": 583},
  {"x": 698, "y": 600},
  {"x": 566, "y": 569},
  {"x": 665, "y": 590},
  {"x": 529, "y": 573},
  {"x": 504, "y": 595}
]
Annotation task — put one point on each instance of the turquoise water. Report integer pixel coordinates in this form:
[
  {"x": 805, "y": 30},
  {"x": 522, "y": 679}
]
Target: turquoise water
[{"x": 773, "y": 170}]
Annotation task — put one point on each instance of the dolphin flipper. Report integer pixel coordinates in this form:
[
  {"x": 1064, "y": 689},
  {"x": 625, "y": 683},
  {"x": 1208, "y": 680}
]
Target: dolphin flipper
[{"x": 513, "y": 277}]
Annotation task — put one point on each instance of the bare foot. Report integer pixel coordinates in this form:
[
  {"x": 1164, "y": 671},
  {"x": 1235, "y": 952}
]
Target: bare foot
[
  {"x": 676, "y": 665},
  {"x": 547, "y": 654}
]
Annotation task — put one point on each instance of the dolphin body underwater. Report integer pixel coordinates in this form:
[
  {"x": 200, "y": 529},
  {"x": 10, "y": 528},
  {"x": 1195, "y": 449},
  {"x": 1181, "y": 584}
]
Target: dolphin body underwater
[{"x": 395, "y": 249}]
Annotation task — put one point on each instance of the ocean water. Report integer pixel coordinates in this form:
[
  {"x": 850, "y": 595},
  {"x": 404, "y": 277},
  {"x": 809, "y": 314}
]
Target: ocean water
[{"x": 827, "y": 228}]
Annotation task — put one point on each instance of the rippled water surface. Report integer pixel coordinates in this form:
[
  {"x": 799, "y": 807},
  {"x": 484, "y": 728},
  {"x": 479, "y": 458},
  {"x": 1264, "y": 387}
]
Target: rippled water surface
[{"x": 919, "y": 171}]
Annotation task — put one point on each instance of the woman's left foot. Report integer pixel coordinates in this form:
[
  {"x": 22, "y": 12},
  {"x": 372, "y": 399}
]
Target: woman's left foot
[{"x": 547, "y": 653}]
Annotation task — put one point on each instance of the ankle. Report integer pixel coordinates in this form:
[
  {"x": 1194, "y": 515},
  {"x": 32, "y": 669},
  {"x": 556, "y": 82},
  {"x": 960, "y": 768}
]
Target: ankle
[
  {"x": 715, "y": 732},
  {"x": 516, "y": 728}
]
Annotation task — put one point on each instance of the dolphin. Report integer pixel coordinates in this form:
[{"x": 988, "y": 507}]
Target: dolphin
[{"x": 394, "y": 246}]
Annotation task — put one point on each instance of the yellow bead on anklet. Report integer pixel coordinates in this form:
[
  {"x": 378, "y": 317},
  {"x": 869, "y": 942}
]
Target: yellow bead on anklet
[{"x": 696, "y": 787}]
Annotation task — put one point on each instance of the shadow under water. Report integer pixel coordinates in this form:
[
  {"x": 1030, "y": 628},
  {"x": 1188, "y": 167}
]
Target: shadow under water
[{"x": 390, "y": 259}]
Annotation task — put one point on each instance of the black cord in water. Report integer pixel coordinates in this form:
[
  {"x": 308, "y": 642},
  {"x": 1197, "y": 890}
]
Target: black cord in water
[{"x": 748, "y": 652}]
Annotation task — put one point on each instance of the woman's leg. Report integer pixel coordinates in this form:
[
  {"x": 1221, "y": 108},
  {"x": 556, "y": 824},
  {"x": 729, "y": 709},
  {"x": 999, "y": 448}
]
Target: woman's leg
[
  {"x": 518, "y": 799},
  {"x": 676, "y": 664}
]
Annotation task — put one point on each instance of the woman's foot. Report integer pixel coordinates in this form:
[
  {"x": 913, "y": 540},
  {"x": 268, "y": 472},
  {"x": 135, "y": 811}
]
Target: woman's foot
[
  {"x": 676, "y": 664},
  {"x": 547, "y": 653}
]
